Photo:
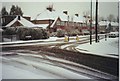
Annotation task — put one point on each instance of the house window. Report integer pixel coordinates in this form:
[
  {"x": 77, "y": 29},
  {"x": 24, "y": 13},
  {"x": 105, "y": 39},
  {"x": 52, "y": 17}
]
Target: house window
[
  {"x": 58, "y": 22},
  {"x": 81, "y": 24},
  {"x": 62, "y": 23}
]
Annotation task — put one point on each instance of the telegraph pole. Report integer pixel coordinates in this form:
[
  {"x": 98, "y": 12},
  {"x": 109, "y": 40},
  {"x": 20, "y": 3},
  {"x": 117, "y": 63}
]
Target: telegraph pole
[
  {"x": 118, "y": 11},
  {"x": 96, "y": 23},
  {"x": 91, "y": 25}
]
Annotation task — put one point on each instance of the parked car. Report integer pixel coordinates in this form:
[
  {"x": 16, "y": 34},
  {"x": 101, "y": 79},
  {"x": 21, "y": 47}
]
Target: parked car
[{"x": 113, "y": 34}]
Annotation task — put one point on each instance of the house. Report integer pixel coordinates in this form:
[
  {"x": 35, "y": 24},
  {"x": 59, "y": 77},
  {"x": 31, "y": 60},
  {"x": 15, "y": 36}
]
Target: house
[
  {"x": 102, "y": 26},
  {"x": 57, "y": 20},
  {"x": 54, "y": 21},
  {"x": 61, "y": 21},
  {"x": 46, "y": 18}
]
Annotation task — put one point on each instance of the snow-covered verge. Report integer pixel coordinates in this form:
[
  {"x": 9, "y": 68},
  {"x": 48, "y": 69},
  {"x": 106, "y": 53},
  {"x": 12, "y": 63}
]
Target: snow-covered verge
[
  {"x": 107, "y": 48},
  {"x": 51, "y": 39}
]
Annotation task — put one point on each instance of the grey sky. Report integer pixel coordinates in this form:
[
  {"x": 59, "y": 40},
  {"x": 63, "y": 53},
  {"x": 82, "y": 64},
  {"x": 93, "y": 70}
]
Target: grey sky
[{"x": 33, "y": 8}]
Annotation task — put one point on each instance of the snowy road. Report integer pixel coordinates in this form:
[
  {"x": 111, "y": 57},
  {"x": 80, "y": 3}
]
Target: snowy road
[
  {"x": 50, "y": 57},
  {"x": 33, "y": 66}
]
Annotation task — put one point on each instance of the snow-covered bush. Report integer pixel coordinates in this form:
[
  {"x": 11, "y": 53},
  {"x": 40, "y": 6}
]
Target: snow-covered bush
[
  {"x": 60, "y": 33},
  {"x": 9, "y": 31},
  {"x": 32, "y": 33}
]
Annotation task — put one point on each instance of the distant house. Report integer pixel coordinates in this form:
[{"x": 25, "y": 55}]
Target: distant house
[
  {"x": 115, "y": 26},
  {"x": 106, "y": 26},
  {"x": 103, "y": 26}
]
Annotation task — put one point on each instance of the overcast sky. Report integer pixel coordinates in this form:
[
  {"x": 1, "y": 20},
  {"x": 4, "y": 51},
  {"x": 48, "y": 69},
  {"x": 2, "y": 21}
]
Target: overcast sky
[{"x": 33, "y": 8}]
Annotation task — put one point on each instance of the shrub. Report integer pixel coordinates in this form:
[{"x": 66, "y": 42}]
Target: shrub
[
  {"x": 60, "y": 33},
  {"x": 34, "y": 33},
  {"x": 73, "y": 32},
  {"x": 9, "y": 31}
]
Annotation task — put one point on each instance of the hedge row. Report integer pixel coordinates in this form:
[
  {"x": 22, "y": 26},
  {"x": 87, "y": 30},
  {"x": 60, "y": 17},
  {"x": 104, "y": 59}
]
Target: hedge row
[{"x": 27, "y": 33}]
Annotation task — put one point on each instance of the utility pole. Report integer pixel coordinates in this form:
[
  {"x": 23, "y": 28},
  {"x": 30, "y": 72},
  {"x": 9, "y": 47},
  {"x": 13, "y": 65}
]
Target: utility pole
[
  {"x": 96, "y": 23},
  {"x": 118, "y": 11},
  {"x": 91, "y": 25}
]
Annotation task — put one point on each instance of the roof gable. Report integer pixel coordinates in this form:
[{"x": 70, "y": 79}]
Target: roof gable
[{"x": 23, "y": 21}]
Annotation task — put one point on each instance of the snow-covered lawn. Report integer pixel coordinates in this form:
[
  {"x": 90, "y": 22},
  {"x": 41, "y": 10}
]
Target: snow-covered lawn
[{"x": 104, "y": 48}]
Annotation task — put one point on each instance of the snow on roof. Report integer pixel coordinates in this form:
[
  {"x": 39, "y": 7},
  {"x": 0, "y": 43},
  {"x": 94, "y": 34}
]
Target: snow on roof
[
  {"x": 1, "y": 29},
  {"x": 23, "y": 21},
  {"x": 54, "y": 22},
  {"x": 114, "y": 24},
  {"x": 44, "y": 26},
  {"x": 12, "y": 22},
  {"x": 103, "y": 23},
  {"x": 63, "y": 17},
  {"x": 114, "y": 33},
  {"x": 78, "y": 19},
  {"x": 52, "y": 15},
  {"x": 45, "y": 15}
]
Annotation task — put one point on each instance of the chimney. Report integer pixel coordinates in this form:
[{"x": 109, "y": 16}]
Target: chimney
[
  {"x": 76, "y": 15},
  {"x": 18, "y": 17},
  {"x": 65, "y": 12},
  {"x": 50, "y": 8}
]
